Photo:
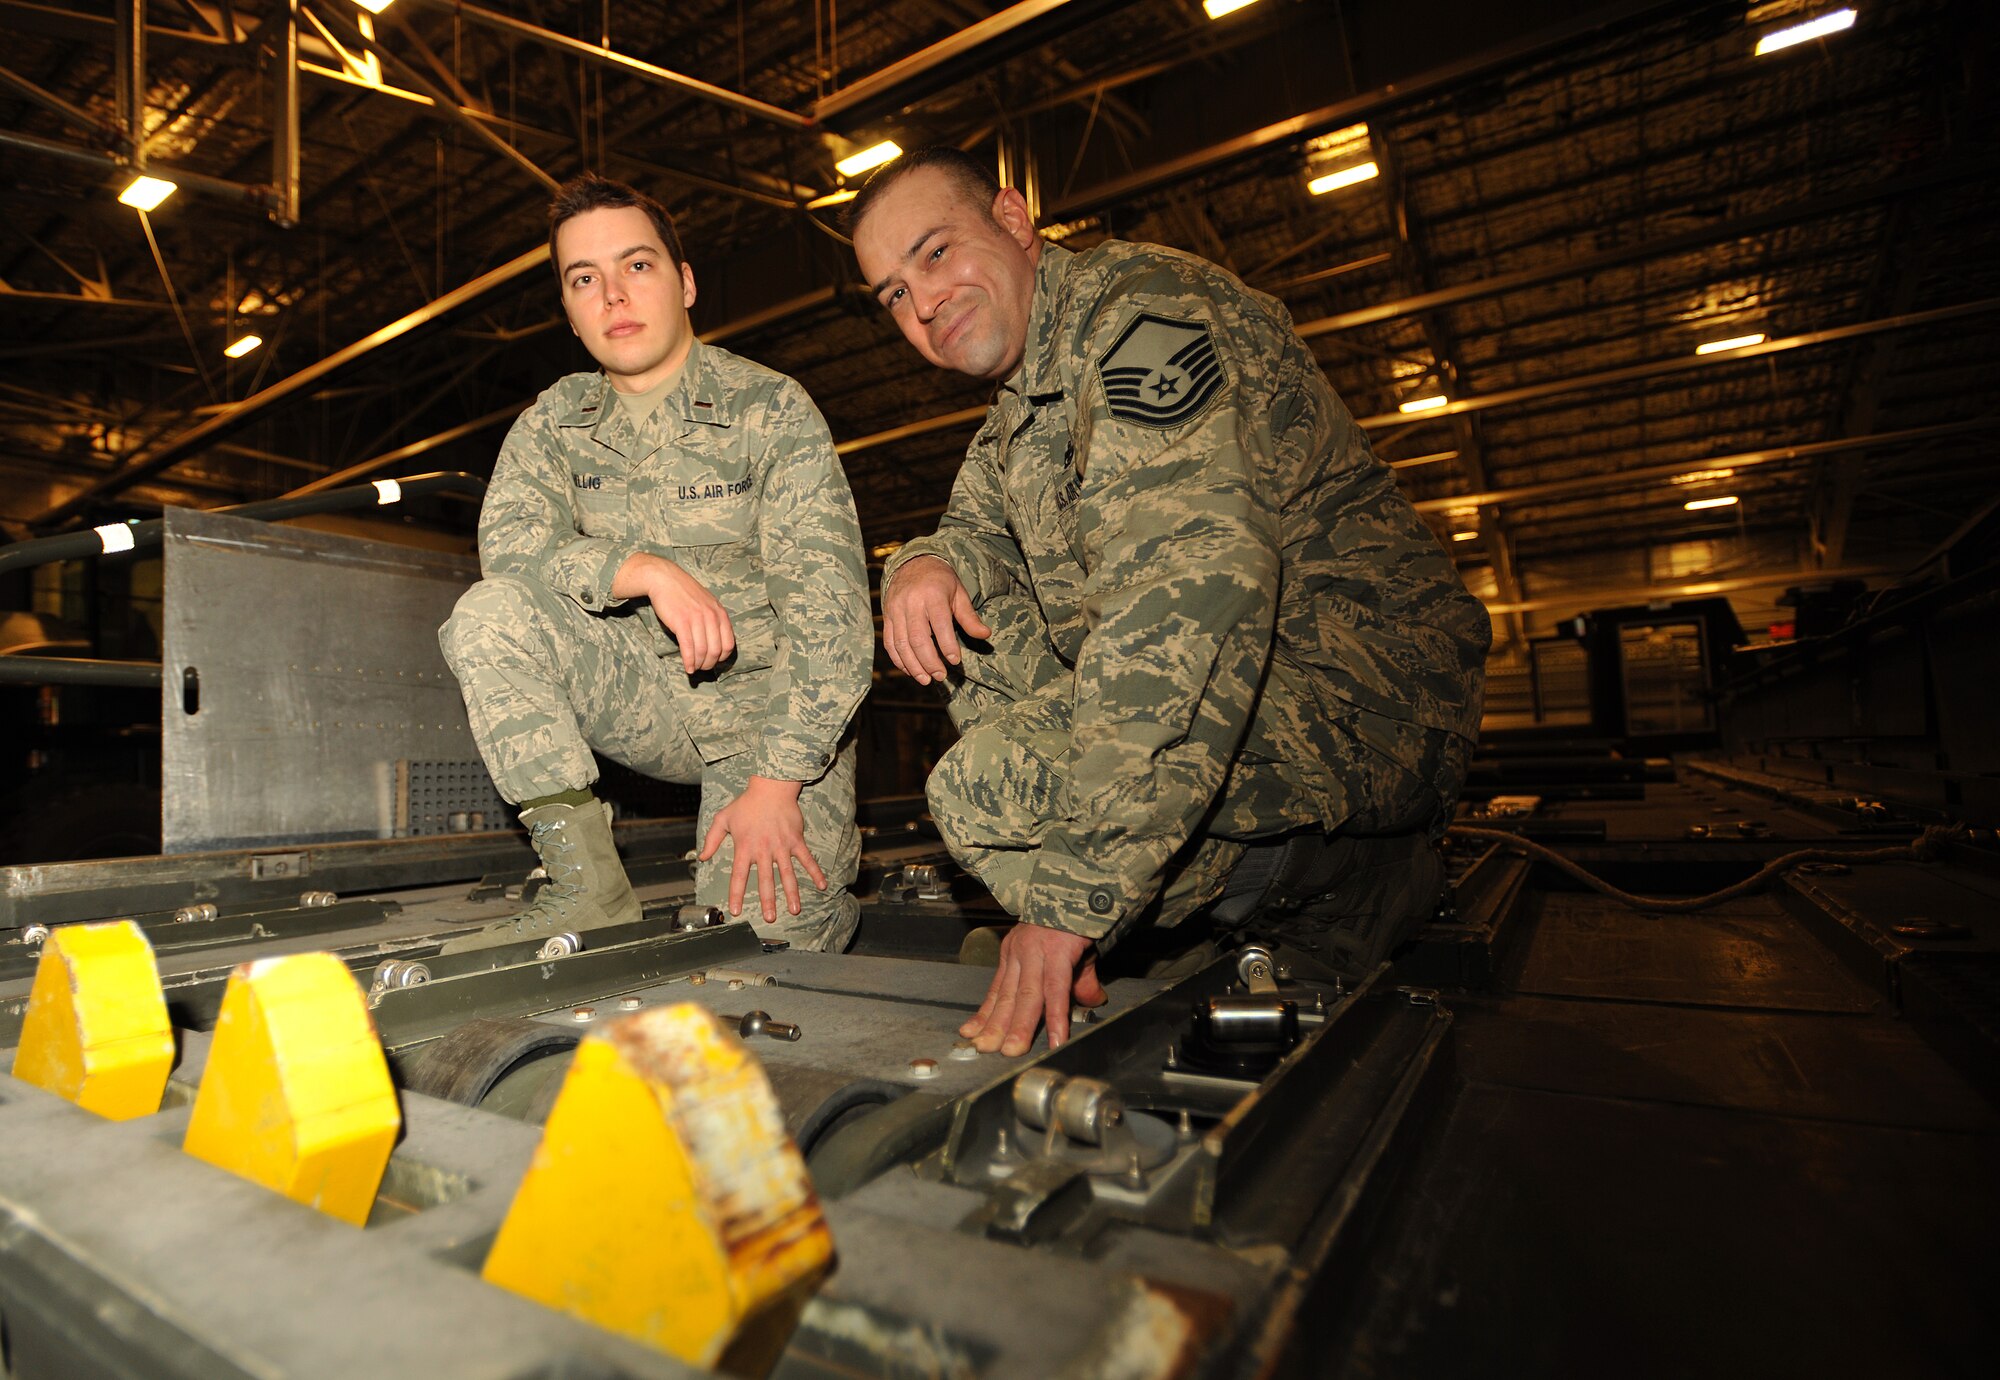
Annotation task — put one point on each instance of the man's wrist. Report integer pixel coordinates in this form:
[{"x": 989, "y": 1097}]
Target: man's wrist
[{"x": 775, "y": 786}]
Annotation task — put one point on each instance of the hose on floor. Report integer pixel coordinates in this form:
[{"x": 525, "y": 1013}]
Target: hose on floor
[{"x": 1924, "y": 848}]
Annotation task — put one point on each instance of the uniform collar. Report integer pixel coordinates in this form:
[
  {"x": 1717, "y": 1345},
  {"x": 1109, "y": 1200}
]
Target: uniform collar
[
  {"x": 697, "y": 398},
  {"x": 1038, "y": 373}
]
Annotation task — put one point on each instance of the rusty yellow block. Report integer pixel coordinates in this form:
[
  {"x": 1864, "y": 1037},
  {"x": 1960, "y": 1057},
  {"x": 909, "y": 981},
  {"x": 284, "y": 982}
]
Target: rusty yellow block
[
  {"x": 96, "y": 1026},
  {"x": 296, "y": 1095},
  {"x": 666, "y": 1202}
]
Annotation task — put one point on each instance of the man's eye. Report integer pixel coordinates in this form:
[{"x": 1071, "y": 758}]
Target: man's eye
[
  {"x": 641, "y": 264},
  {"x": 581, "y": 280},
  {"x": 895, "y": 296},
  {"x": 937, "y": 253}
]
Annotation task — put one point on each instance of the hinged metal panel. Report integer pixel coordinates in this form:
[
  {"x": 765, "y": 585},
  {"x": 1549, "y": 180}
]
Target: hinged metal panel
[{"x": 301, "y": 678}]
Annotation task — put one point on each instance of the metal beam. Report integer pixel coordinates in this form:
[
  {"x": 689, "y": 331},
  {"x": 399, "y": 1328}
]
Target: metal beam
[
  {"x": 1612, "y": 481},
  {"x": 993, "y": 39},
  {"x": 1560, "y": 269},
  {"x": 607, "y": 57},
  {"x": 1584, "y": 600},
  {"x": 84, "y": 121},
  {"x": 72, "y": 670},
  {"x": 129, "y": 64},
  {"x": 235, "y": 416},
  {"x": 1682, "y": 363},
  {"x": 285, "y": 120},
  {"x": 350, "y": 32},
  {"x": 1366, "y": 106},
  {"x": 111, "y": 162}
]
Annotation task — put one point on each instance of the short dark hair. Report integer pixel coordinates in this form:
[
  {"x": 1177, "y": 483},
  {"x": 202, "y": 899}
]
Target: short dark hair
[
  {"x": 973, "y": 177},
  {"x": 590, "y": 192}
]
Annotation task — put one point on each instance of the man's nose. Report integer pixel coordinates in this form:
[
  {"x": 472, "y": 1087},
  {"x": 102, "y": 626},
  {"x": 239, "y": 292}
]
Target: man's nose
[
  {"x": 614, "y": 291},
  {"x": 929, "y": 299}
]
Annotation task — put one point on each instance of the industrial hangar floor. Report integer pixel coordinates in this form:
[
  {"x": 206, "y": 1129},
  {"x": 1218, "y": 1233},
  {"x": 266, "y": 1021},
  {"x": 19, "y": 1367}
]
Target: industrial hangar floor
[{"x": 1738, "y": 1140}]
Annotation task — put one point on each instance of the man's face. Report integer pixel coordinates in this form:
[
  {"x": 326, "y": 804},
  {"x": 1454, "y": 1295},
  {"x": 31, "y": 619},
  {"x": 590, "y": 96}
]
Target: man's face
[
  {"x": 958, "y": 277},
  {"x": 624, "y": 298}
]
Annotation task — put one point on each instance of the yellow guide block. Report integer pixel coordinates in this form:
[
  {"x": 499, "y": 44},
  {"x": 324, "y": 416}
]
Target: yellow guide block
[
  {"x": 296, "y": 1095},
  {"x": 666, "y": 1202},
  {"x": 96, "y": 1026}
]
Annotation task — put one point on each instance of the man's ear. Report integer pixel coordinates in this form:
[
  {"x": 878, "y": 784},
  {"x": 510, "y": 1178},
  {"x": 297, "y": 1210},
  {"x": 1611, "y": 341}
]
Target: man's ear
[
  {"x": 1010, "y": 213},
  {"x": 687, "y": 284}
]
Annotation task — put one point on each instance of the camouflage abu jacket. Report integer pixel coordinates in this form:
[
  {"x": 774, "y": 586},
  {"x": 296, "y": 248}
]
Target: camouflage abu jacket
[
  {"x": 736, "y": 482},
  {"x": 1219, "y": 556}
]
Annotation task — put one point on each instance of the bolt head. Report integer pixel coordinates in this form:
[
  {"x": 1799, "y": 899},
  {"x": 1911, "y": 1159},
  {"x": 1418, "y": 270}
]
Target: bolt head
[
  {"x": 583, "y": 1013},
  {"x": 629, "y": 1003},
  {"x": 923, "y": 1068}
]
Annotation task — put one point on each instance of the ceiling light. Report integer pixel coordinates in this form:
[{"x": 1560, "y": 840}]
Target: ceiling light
[
  {"x": 1465, "y": 536},
  {"x": 374, "y": 6},
  {"x": 1430, "y": 404},
  {"x": 1217, "y": 8},
  {"x": 1346, "y": 177},
  {"x": 1830, "y": 23},
  {"x": 244, "y": 346},
  {"x": 820, "y": 203},
  {"x": 145, "y": 193},
  {"x": 1735, "y": 342},
  {"x": 1695, "y": 505},
  {"x": 874, "y": 156},
  {"x": 1703, "y": 476}
]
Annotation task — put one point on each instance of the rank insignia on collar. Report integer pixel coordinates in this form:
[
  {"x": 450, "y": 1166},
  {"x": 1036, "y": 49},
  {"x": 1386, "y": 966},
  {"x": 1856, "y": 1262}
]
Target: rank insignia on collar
[{"x": 1160, "y": 372}]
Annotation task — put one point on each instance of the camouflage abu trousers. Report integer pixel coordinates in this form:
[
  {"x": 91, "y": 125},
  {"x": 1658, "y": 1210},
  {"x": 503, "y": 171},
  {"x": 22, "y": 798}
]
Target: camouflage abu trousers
[
  {"x": 545, "y": 683},
  {"x": 993, "y": 793}
]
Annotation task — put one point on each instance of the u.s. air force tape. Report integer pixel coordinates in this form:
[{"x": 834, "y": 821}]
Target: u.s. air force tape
[{"x": 1160, "y": 372}]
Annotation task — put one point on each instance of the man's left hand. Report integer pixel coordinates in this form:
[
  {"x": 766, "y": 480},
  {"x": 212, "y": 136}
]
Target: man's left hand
[
  {"x": 770, "y": 833},
  {"x": 1040, "y": 971}
]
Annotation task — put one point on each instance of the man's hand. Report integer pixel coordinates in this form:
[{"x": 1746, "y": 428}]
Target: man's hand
[
  {"x": 1040, "y": 971},
  {"x": 919, "y": 609},
  {"x": 769, "y": 834},
  {"x": 695, "y": 617}
]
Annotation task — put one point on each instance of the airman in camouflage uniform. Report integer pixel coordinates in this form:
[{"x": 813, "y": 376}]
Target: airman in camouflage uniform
[
  {"x": 1209, "y": 618},
  {"x": 726, "y": 488}
]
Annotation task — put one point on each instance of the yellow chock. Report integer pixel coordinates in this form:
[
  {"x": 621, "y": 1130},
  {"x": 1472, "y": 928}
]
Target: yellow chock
[
  {"x": 666, "y": 1202},
  {"x": 296, "y": 1095},
  {"x": 96, "y": 1027}
]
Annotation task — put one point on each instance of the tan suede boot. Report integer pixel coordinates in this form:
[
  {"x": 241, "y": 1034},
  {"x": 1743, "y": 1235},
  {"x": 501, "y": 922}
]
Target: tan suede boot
[{"x": 586, "y": 887}]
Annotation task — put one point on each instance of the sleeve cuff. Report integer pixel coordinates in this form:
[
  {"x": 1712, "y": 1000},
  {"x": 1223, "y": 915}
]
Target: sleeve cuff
[
  {"x": 932, "y": 546},
  {"x": 597, "y": 571},
  {"x": 1067, "y": 896},
  {"x": 791, "y": 761}
]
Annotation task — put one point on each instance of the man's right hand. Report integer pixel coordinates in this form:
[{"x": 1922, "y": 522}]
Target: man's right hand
[
  {"x": 695, "y": 617},
  {"x": 923, "y": 609}
]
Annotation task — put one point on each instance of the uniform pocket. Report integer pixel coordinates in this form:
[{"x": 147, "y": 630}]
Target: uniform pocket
[{"x": 603, "y": 504}]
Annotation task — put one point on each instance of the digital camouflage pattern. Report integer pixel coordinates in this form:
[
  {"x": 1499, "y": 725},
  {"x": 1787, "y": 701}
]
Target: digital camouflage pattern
[
  {"x": 1239, "y": 624},
  {"x": 734, "y": 478}
]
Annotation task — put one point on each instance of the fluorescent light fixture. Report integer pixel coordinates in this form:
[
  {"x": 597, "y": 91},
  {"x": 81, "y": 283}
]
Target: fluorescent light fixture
[
  {"x": 1831, "y": 22},
  {"x": 1217, "y": 8},
  {"x": 1695, "y": 505},
  {"x": 244, "y": 346},
  {"x": 874, "y": 156},
  {"x": 145, "y": 193},
  {"x": 820, "y": 203},
  {"x": 1703, "y": 476},
  {"x": 374, "y": 6},
  {"x": 1346, "y": 177},
  {"x": 1464, "y": 536},
  {"x": 1735, "y": 342},
  {"x": 387, "y": 491},
  {"x": 116, "y": 536},
  {"x": 1430, "y": 404}
]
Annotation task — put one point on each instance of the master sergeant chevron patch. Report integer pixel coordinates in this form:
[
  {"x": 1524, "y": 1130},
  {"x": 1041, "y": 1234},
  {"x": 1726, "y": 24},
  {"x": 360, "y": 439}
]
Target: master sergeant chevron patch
[{"x": 1160, "y": 372}]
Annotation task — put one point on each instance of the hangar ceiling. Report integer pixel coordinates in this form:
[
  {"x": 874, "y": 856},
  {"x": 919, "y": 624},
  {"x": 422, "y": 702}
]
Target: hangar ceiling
[{"x": 1569, "y": 201}]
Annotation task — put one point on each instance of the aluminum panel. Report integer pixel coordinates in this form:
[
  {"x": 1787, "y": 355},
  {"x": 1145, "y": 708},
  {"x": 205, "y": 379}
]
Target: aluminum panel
[{"x": 301, "y": 677}]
